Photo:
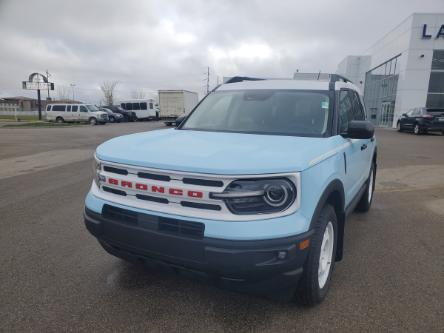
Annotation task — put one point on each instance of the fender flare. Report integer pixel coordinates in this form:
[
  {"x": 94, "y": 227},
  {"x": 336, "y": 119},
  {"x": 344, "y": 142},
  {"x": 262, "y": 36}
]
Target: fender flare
[{"x": 336, "y": 188}]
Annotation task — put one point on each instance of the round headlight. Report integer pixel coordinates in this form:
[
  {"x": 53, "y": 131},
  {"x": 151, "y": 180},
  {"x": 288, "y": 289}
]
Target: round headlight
[{"x": 275, "y": 195}]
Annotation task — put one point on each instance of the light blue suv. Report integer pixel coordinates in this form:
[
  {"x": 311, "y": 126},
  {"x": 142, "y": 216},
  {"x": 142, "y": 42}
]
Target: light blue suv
[{"x": 252, "y": 190}]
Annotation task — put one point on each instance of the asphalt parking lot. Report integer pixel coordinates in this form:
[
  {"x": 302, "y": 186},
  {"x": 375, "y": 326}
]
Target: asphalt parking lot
[{"x": 54, "y": 276}]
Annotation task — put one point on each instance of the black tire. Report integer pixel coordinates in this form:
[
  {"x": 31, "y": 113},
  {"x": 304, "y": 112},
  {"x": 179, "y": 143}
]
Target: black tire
[
  {"x": 398, "y": 126},
  {"x": 92, "y": 121},
  {"x": 112, "y": 119},
  {"x": 366, "y": 200},
  {"x": 309, "y": 291},
  {"x": 417, "y": 130},
  {"x": 60, "y": 120}
]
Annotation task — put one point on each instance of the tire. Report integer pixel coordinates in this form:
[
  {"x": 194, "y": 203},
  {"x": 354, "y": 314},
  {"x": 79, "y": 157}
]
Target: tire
[
  {"x": 417, "y": 129},
  {"x": 398, "y": 127},
  {"x": 92, "y": 121},
  {"x": 315, "y": 281},
  {"x": 60, "y": 120},
  {"x": 112, "y": 120},
  {"x": 365, "y": 202}
]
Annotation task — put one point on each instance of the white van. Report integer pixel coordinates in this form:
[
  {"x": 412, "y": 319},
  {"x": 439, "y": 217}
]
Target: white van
[
  {"x": 143, "y": 108},
  {"x": 75, "y": 113}
]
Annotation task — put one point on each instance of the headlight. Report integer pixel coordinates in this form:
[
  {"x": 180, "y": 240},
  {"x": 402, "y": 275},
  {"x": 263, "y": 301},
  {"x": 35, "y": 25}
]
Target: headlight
[
  {"x": 97, "y": 167},
  {"x": 258, "y": 196}
]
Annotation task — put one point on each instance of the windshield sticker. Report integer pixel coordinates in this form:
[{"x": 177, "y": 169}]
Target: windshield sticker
[{"x": 324, "y": 105}]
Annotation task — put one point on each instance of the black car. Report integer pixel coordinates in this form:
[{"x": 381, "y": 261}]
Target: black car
[
  {"x": 113, "y": 116},
  {"x": 422, "y": 120},
  {"x": 127, "y": 115}
]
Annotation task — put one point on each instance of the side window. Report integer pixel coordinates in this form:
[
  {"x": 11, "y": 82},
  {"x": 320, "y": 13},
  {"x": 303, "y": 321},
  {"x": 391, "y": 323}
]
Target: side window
[
  {"x": 60, "y": 108},
  {"x": 151, "y": 105},
  {"x": 358, "y": 110},
  {"x": 345, "y": 110},
  {"x": 136, "y": 106},
  {"x": 143, "y": 106},
  {"x": 48, "y": 108},
  {"x": 129, "y": 106},
  {"x": 68, "y": 108},
  {"x": 74, "y": 108},
  {"x": 83, "y": 108},
  {"x": 122, "y": 105}
]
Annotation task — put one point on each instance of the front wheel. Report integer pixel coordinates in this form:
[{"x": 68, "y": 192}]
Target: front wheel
[
  {"x": 398, "y": 126},
  {"x": 318, "y": 268},
  {"x": 366, "y": 200},
  {"x": 59, "y": 120},
  {"x": 92, "y": 121}
]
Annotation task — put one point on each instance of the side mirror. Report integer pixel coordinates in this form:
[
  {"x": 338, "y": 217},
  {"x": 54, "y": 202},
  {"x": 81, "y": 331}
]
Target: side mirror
[{"x": 359, "y": 129}]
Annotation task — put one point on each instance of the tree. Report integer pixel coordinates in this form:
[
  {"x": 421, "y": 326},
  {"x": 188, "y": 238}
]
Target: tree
[
  {"x": 107, "y": 88},
  {"x": 138, "y": 94}
]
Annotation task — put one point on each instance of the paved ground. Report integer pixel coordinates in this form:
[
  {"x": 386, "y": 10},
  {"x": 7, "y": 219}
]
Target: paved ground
[{"x": 55, "y": 277}]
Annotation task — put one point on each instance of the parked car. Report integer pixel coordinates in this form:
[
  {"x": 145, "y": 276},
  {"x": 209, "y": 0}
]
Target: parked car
[
  {"x": 422, "y": 120},
  {"x": 251, "y": 190},
  {"x": 145, "y": 109},
  {"x": 75, "y": 113},
  {"x": 112, "y": 116},
  {"x": 127, "y": 115}
]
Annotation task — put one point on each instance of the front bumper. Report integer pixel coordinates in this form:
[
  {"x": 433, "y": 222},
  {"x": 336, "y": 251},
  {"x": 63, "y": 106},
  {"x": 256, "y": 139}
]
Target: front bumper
[{"x": 181, "y": 245}]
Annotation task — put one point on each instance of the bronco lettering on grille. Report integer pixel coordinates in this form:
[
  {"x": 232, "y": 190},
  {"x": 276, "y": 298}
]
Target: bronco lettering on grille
[{"x": 155, "y": 188}]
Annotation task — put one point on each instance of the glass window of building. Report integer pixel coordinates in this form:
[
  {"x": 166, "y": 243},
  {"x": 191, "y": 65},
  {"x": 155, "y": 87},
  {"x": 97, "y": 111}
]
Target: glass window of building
[{"x": 435, "y": 94}]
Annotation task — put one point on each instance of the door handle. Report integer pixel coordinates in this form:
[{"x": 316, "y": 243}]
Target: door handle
[{"x": 364, "y": 146}]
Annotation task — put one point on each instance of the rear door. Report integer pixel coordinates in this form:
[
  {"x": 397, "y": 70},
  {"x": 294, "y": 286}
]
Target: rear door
[{"x": 436, "y": 118}]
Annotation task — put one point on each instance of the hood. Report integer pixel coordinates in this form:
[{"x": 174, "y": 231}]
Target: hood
[{"x": 214, "y": 152}]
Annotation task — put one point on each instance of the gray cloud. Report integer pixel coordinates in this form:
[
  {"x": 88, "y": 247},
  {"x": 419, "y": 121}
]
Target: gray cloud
[{"x": 154, "y": 45}]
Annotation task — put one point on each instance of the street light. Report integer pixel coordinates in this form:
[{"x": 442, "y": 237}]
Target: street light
[{"x": 72, "y": 87}]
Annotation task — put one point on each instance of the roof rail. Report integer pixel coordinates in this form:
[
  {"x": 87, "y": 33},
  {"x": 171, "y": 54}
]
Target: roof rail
[{"x": 235, "y": 79}]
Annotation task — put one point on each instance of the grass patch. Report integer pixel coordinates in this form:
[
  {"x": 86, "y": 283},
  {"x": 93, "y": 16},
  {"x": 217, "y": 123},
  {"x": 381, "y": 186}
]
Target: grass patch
[{"x": 21, "y": 117}]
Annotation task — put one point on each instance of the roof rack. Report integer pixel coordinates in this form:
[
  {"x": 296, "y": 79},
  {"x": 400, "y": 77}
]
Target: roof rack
[{"x": 235, "y": 79}]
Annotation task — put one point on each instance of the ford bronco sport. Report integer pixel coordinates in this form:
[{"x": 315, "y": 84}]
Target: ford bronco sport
[{"x": 252, "y": 189}]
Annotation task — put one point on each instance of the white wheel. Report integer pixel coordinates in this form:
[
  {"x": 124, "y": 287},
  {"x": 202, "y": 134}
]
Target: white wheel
[{"x": 326, "y": 255}]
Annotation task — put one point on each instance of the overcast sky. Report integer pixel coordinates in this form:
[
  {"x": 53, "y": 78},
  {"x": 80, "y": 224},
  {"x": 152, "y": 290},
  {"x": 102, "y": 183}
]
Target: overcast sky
[{"x": 151, "y": 45}]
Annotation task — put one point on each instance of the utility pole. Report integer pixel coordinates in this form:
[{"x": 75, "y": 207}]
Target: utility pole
[
  {"x": 47, "y": 77},
  {"x": 208, "y": 79}
]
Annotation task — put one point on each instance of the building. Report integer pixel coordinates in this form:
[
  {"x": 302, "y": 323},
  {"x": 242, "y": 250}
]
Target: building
[
  {"x": 21, "y": 103},
  {"x": 402, "y": 70}
]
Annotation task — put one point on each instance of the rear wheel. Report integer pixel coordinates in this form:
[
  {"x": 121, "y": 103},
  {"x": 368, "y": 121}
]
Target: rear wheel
[
  {"x": 417, "y": 129},
  {"x": 59, "y": 120},
  {"x": 366, "y": 200},
  {"x": 318, "y": 268},
  {"x": 92, "y": 121}
]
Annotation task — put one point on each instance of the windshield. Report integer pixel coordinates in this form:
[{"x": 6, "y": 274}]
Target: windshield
[
  {"x": 92, "y": 108},
  {"x": 283, "y": 112}
]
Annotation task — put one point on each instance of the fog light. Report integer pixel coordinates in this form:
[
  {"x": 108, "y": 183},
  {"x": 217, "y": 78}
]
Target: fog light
[{"x": 282, "y": 255}]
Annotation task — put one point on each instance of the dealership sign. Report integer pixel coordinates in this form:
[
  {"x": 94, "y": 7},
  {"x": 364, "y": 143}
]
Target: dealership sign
[
  {"x": 37, "y": 85},
  {"x": 428, "y": 34}
]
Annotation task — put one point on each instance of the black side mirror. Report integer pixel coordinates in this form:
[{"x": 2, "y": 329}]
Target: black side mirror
[{"x": 359, "y": 129}]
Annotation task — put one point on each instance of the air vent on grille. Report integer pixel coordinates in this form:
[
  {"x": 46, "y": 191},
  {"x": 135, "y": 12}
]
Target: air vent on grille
[
  {"x": 151, "y": 198},
  {"x": 115, "y": 170},
  {"x": 113, "y": 190},
  {"x": 200, "y": 205},
  {"x": 119, "y": 215},
  {"x": 182, "y": 227},
  {"x": 203, "y": 182},
  {"x": 147, "y": 175}
]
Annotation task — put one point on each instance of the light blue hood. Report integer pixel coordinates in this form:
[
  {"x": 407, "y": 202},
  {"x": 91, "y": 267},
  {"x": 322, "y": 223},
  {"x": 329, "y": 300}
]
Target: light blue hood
[{"x": 214, "y": 152}]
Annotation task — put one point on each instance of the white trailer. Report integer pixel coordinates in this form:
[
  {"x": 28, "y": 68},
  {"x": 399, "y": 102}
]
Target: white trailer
[{"x": 175, "y": 103}]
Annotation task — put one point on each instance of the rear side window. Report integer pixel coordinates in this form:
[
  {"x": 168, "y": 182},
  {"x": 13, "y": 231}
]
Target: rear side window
[
  {"x": 136, "y": 106},
  {"x": 74, "y": 108},
  {"x": 143, "y": 106},
  {"x": 68, "y": 108},
  {"x": 60, "y": 108},
  {"x": 129, "y": 106}
]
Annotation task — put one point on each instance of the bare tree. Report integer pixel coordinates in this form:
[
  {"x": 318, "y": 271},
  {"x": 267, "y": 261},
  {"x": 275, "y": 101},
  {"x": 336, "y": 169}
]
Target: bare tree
[
  {"x": 63, "y": 93},
  {"x": 107, "y": 88},
  {"x": 138, "y": 94}
]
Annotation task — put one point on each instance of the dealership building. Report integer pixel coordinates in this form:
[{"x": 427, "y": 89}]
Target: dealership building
[{"x": 402, "y": 70}]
